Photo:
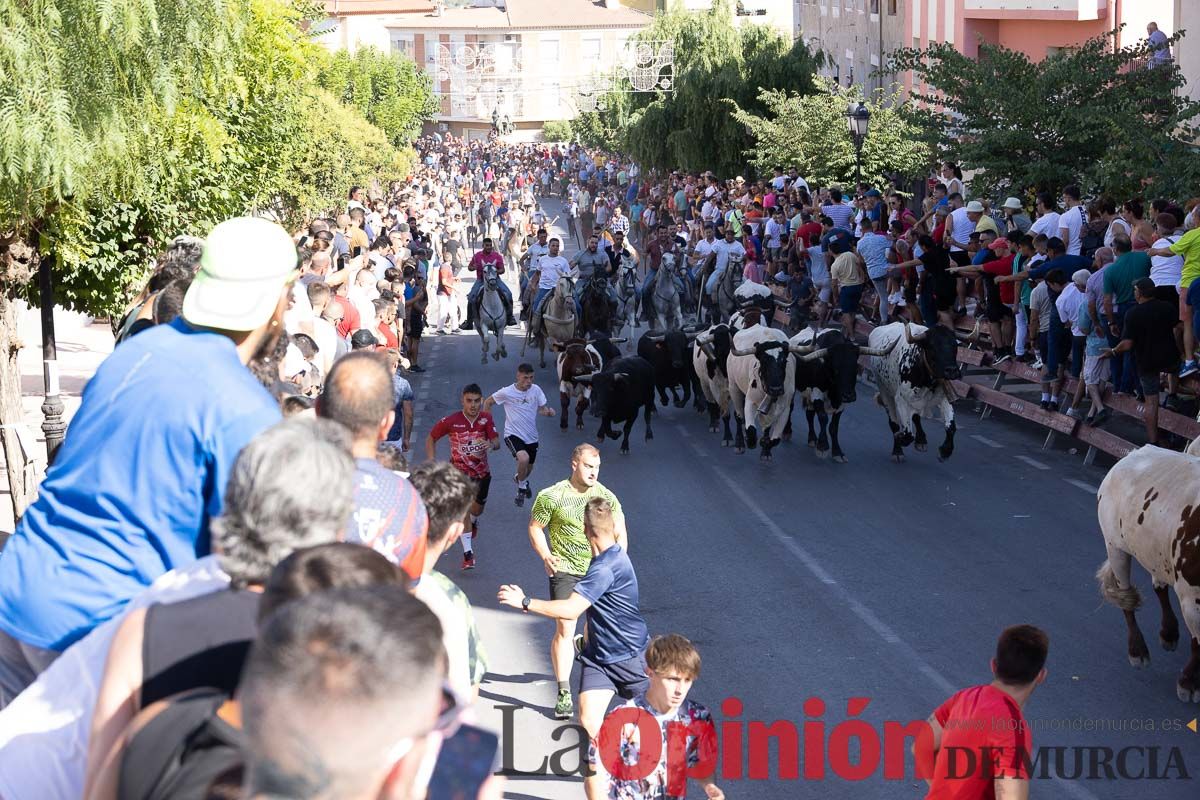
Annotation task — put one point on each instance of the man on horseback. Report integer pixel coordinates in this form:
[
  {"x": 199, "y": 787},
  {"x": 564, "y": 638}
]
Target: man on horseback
[
  {"x": 484, "y": 258},
  {"x": 591, "y": 262},
  {"x": 664, "y": 243},
  {"x": 730, "y": 249},
  {"x": 549, "y": 269}
]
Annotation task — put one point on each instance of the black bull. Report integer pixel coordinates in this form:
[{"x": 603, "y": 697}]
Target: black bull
[
  {"x": 670, "y": 354},
  {"x": 619, "y": 391}
]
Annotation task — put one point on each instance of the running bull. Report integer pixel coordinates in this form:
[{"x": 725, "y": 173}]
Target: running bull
[
  {"x": 914, "y": 380},
  {"x": 762, "y": 379},
  {"x": 619, "y": 391},
  {"x": 828, "y": 383},
  {"x": 576, "y": 358},
  {"x": 1149, "y": 510},
  {"x": 667, "y": 352}
]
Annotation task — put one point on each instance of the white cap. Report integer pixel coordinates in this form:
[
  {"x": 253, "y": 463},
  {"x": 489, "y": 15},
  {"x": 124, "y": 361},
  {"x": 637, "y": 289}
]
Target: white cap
[{"x": 974, "y": 207}]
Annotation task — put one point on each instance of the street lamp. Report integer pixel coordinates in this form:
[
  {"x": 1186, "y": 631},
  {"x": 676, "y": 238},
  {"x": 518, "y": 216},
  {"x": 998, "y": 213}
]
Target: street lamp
[{"x": 858, "y": 119}]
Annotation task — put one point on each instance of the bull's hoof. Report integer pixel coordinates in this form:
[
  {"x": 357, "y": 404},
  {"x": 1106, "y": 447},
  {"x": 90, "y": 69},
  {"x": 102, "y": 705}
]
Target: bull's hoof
[
  {"x": 764, "y": 456},
  {"x": 812, "y": 441},
  {"x": 944, "y": 454},
  {"x": 1168, "y": 642},
  {"x": 739, "y": 450},
  {"x": 712, "y": 428},
  {"x": 649, "y": 436},
  {"x": 484, "y": 359},
  {"x": 578, "y": 425},
  {"x": 898, "y": 458},
  {"x": 752, "y": 438},
  {"x": 905, "y": 438},
  {"x": 495, "y": 356},
  {"x": 624, "y": 449},
  {"x": 920, "y": 447},
  {"x": 562, "y": 426},
  {"x": 822, "y": 453},
  {"x": 1187, "y": 694},
  {"x": 615, "y": 435},
  {"x": 503, "y": 352},
  {"x": 726, "y": 443},
  {"x": 840, "y": 459},
  {"x": 1139, "y": 661}
]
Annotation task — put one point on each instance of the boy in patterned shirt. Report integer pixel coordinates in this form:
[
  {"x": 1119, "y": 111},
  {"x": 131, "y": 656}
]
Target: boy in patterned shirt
[
  {"x": 471, "y": 433},
  {"x": 672, "y": 664}
]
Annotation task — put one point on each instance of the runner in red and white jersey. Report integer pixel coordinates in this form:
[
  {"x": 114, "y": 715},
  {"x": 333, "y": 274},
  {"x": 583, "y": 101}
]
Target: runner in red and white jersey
[{"x": 472, "y": 432}]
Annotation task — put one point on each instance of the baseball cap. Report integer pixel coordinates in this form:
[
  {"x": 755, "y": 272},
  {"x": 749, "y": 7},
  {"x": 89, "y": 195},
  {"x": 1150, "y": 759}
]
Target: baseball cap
[
  {"x": 872, "y": 193},
  {"x": 975, "y": 207},
  {"x": 1014, "y": 203},
  {"x": 998, "y": 243},
  {"x": 362, "y": 339},
  {"x": 245, "y": 264}
]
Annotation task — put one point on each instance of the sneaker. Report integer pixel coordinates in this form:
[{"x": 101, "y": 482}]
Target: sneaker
[
  {"x": 1101, "y": 417},
  {"x": 511, "y": 321},
  {"x": 1025, "y": 357},
  {"x": 416, "y": 368},
  {"x": 520, "y": 498},
  {"x": 1189, "y": 368},
  {"x": 1001, "y": 358},
  {"x": 468, "y": 561},
  {"x": 1045, "y": 404},
  {"x": 1075, "y": 413},
  {"x": 525, "y": 490},
  {"x": 1037, "y": 363},
  {"x": 564, "y": 707}
]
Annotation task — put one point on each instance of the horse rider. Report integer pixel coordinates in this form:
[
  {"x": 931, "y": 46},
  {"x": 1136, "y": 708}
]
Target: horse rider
[
  {"x": 549, "y": 269},
  {"x": 484, "y": 258},
  {"x": 725, "y": 248},
  {"x": 589, "y": 262},
  {"x": 663, "y": 243}
]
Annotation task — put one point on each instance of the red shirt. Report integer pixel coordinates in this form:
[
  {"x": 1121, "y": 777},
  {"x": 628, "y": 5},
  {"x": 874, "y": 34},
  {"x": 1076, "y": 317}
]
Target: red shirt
[
  {"x": 1002, "y": 266},
  {"x": 389, "y": 336},
  {"x": 469, "y": 441},
  {"x": 482, "y": 259},
  {"x": 350, "y": 321},
  {"x": 808, "y": 230},
  {"x": 972, "y": 719}
]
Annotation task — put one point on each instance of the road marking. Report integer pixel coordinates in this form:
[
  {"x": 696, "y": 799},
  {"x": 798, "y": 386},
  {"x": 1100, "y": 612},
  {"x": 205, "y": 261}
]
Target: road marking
[
  {"x": 986, "y": 440},
  {"x": 861, "y": 611},
  {"x": 1033, "y": 462},
  {"x": 1087, "y": 487},
  {"x": 683, "y": 431}
]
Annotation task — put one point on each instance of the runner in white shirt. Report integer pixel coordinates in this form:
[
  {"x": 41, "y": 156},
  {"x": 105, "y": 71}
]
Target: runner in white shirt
[{"x": 522, "y": 401}]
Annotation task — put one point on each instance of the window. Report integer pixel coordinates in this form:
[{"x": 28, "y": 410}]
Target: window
[
  {"x": 589, "y": 54},
  {"x": 548, "y": 50},
  {"x": 874, "y": 6},
  {"x": 401, "y": 42},
  {"x": 1051, "y": 52},
  {"x": 891, "y": 8}
]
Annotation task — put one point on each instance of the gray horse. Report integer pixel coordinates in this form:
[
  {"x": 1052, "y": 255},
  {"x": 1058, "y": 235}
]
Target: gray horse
[
  {"x": 667, "y": 312},
  {"x": 724, "y": 297},
  {"x": 628, "y": 295},
  {"x": 491, "y": 315}
]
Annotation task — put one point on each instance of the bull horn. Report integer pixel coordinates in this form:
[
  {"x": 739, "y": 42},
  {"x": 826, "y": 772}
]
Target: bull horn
[
  {"x": 908, "y": 337},
  {"x": 583, "y": 378},
  {"x": 655, "y": 337},
  {"x": 972, "y": 336},
  {"x": 556, "y": 347},
  {"x": 619, "y": 341},
  {"x": 802, "y": 349},
  {"x": 703, "y": 338},
  {"x": 814, "y": 355},
  {"x": 879, "y": 351},
  {"x": 691, "y": 335},
  {"x": 733, "y": 351},
  {"x": 780, "y": 304},
  {"x": 708, "y": 351}
]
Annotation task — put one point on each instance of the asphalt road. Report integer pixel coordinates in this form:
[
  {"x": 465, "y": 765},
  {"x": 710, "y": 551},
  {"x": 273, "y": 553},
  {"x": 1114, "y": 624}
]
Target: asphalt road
[{"x": 802, "y": 579}]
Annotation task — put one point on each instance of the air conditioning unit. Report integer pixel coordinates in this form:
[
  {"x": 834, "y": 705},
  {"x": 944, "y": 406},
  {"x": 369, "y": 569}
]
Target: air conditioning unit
[{"x": 443, "y": 127}]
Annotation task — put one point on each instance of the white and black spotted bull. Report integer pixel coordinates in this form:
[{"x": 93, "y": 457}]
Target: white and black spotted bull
[
  {"x": 710, "y": 354},
  {"x": 762, "y": 379},
  {"x": 1149, "y": 510},
  {"x": 578, "y": 358},
  {"x": 914, "y": 380},
  {"x": 828, "y": 383}
]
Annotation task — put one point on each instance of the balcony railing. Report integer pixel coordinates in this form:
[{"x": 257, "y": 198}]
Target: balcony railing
[{"x": 1066, "y": 10}]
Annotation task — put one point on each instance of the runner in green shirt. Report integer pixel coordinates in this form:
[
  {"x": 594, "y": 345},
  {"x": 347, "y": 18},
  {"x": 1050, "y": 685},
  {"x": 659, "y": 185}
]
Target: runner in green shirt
[{"x": 567, "y": 553}]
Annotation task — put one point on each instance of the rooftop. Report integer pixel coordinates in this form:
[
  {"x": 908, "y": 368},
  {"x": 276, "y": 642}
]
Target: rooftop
[{"x": 517, "y": 15}]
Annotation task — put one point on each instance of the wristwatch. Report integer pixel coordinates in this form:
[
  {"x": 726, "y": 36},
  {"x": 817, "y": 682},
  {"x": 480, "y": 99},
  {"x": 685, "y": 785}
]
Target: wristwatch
[{"x": 525, "y": 603}]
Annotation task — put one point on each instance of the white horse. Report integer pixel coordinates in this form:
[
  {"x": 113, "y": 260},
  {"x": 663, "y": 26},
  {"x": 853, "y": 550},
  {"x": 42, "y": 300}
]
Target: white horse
[
  {"x": 491, "y": 315},
  {"x": 667, "y": 312},
  {"x": 628, "y": 295}
]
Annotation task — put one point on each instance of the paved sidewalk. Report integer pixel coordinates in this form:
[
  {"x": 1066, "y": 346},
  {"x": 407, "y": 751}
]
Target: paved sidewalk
[{"x": 82, "y": 345}]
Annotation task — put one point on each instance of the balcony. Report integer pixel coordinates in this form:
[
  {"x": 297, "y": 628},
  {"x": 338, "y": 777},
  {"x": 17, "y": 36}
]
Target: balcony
[{"x": 1062, "y": 10}]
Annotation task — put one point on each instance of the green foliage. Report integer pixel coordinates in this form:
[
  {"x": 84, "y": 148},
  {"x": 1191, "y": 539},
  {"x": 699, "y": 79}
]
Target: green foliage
[
  {"x": 714, "y": 60},
  {"x": 1095, "y": 116},
  {"x": 810, "y": 133},
  {"x": 557, "y": 130},
  {"x": 386, "y": 88},
  {"x": 194, "y": 113}
]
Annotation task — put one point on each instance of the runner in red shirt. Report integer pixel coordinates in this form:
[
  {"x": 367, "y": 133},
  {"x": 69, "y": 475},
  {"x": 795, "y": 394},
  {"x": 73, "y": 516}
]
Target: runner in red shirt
[
  {"x": 471, "y": 433},
  {"x": 981, "y": 742}
]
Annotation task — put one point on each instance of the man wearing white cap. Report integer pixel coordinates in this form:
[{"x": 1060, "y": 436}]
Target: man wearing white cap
[
  {"x": 1015, "y": 218},
  {"x": 145, "y": 462}
]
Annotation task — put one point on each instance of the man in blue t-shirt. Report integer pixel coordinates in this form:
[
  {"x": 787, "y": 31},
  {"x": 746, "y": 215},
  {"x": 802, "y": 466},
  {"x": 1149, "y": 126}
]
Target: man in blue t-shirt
[
  {"x": 143, "y": 469},
  {"x": 613, "y": 655}
]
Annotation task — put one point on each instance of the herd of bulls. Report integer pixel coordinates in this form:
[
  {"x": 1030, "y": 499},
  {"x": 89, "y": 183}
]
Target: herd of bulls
[{"x": 751, "y": 372}]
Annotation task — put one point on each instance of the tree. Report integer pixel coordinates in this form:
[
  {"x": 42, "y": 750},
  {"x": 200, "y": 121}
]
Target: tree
[
  {"x": 557, "y": 130},
  {"x": 1096, "y": 116},
  {"x": 809, "y": 132},
  {"x": 126, "y": 122},
  {"x": 386, "y": 88},
  {"x": 689, "y": 128}
]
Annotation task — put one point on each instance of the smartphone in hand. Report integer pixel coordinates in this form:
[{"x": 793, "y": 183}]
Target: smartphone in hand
[{"x": 466, "y": 761}]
